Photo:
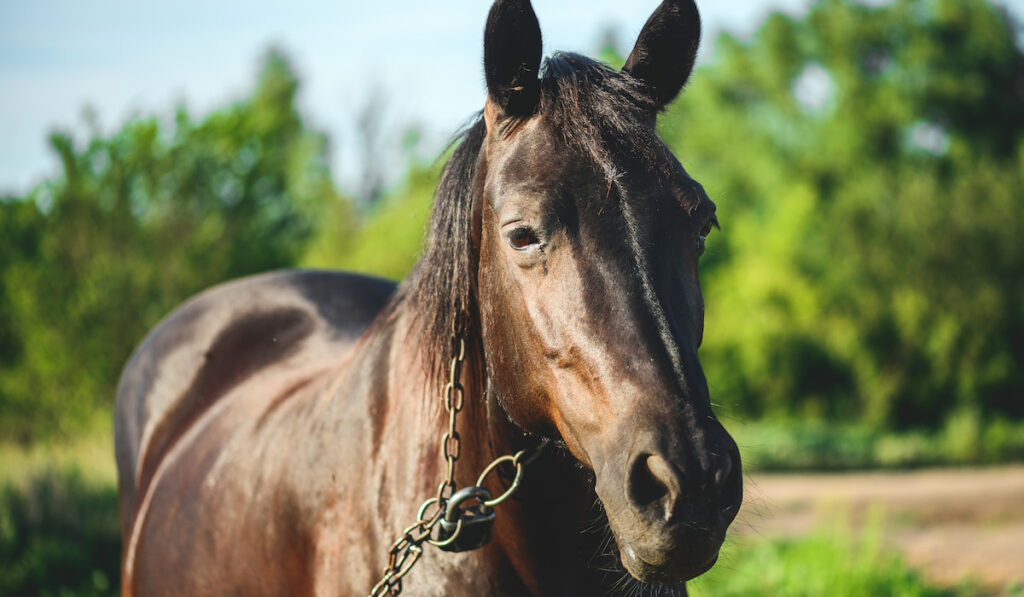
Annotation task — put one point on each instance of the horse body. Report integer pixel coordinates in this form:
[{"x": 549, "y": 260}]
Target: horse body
[
  {"x": 276, "y": 434},
  {"x": 256, "y": 390},
  {"x": 228, "y": 391}
]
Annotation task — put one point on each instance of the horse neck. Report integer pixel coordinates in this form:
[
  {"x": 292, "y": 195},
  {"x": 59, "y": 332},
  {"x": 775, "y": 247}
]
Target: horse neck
[
  {"x": 387, "y": 388},
  {"x": 541, "y": 537}
]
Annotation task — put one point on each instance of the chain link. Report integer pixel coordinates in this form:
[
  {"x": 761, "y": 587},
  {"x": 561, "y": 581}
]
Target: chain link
[
  {"x": 451, "y": 441},
  {"x": 406, "y": 551}
]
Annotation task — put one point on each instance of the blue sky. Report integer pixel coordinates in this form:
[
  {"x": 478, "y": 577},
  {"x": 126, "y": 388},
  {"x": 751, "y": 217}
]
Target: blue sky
[{"x": 140, "y": 57}]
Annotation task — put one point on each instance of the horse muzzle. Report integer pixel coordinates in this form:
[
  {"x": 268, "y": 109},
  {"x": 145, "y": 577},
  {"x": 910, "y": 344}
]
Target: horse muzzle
[
  {"x": 670, "y": 515},
  {"x": 670, "y": 557}
]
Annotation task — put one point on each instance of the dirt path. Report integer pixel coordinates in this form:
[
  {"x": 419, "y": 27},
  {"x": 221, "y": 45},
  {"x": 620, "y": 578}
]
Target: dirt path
[{"x": 949, "y": 523}]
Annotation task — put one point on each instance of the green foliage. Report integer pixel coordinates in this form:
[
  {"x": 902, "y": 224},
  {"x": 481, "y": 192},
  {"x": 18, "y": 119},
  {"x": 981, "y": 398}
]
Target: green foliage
[
  {"x": 814, "y": 444},
  {"x": 868, "y": 166},
  {"x": 388, "y": 244},
  {"x": 135, "y": 224},
  {"x": 59, "y": 535},
  {"x": 834, "y": 560}
]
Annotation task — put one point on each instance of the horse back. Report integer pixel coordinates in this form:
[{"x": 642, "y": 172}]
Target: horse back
[{"x": 258, "y": 326}]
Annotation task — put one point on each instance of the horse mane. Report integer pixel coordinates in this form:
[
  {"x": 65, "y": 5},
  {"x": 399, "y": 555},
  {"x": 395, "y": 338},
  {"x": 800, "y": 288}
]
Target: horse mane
[
  {"x": 438, "y": 290},
  {"x": 598, "y": 111}
]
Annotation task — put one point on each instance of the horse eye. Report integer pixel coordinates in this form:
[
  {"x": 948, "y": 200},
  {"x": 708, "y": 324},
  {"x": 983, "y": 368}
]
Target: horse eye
[
  {"x": 522, "y": 238},
  {"x": 702, "y": 239}
]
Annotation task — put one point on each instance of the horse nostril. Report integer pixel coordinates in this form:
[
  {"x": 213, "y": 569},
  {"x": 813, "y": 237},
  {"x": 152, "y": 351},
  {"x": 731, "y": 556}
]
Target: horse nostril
[
  {"x": 729, "y": 481},
  {"x": 723, "y": 471},
  {"x": 653, "y": 483}
]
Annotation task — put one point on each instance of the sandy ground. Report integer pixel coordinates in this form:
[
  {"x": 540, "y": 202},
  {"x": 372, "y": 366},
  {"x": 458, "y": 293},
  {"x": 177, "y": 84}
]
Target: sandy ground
[{"x": 948, "y": 523}]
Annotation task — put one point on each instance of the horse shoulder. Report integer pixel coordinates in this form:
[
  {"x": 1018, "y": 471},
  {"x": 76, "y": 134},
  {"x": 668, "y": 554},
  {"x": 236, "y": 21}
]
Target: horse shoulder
[{"x": 283, "y": 328}]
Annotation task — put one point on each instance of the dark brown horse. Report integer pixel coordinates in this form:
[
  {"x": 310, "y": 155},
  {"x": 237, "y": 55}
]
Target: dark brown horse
[{"x": 276, "y": 434}]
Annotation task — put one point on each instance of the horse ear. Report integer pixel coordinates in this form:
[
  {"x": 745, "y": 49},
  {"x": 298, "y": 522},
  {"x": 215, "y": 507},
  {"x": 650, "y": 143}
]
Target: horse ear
[
  {"x": 512, "y": 48},
  {"x": 664, "y": 53}
]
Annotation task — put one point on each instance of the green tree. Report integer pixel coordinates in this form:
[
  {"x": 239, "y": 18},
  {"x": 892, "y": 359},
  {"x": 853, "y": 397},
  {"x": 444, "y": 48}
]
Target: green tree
[
  {"x": 868, "y": 166},
  {"x": 134, "y": 224}
]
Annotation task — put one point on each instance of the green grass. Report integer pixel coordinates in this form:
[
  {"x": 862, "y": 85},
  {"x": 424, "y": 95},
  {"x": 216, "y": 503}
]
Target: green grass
[
  {"x": 59, "y": 535},
  {"x": 90, "y": 455},
  {"x": 59, "y": 531},
  {"x": 834, "y": 560}
]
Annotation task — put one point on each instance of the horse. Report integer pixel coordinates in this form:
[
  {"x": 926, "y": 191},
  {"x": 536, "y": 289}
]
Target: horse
[{"x": 276, "y": 434}]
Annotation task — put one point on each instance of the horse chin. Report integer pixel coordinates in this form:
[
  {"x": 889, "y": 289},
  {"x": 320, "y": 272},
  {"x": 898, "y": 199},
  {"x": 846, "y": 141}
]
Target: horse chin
[{"x": 665, "y": 566}]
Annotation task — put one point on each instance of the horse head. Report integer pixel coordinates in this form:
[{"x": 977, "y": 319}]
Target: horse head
[{"x": 588, "y": 233}]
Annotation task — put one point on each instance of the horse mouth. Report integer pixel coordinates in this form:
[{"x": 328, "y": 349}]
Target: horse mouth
[{"x": 668, "y": 569}]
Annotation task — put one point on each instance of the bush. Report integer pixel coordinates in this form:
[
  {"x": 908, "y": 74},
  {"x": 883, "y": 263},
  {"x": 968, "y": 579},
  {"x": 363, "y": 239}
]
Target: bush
[
  {"x": 59, "y": 535},
  {"x": 792, "y": 445},
  {"x": 870, "y": 265},
  {"x": 136, "y": 223}
]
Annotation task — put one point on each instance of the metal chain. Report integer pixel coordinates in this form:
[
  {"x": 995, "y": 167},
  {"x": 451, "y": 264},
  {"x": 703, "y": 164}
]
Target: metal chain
[
  {"x": 406, "y": 551},
  {"x": 454, "y": 399}
]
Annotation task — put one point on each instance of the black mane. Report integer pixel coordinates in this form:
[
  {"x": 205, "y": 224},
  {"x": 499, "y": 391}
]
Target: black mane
[{"x": 604, "y": 114}]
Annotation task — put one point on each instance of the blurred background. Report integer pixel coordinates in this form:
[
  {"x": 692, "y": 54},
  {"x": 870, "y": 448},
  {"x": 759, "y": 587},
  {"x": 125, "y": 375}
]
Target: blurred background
[{"x": 865, "y": 297}]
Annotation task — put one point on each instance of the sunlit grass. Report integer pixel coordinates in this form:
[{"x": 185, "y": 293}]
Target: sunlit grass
[
  {"x": 836, "y": 560},
  {"x": 90, "y": 455}
]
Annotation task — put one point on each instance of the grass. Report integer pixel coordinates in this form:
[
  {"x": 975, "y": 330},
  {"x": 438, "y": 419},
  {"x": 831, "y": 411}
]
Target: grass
[
  {"x": 59, "y": 530},
  {"x": 834, "y": 560},
  {"x": 59, "y": 535},
  {"x": 91, "y": 455}
]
